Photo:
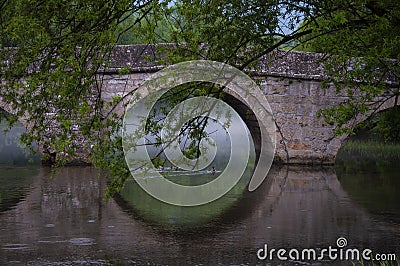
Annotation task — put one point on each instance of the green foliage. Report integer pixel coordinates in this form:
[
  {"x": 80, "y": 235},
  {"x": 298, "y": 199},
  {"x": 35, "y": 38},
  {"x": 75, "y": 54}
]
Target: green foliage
[
  {"x": 235, "y": 32},
  {"x": 155, "y": 25},
  {"x": 361, "y": 41},
  {"x": 51, "y": 52},
  {"x": 383, "y": 126},
  {"x": 388, "y": 125},
  {"x": 193, "y": 131}
]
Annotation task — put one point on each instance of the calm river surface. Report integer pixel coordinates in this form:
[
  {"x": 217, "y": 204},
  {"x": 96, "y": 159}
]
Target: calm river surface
[{"x": 65, "y": 221}]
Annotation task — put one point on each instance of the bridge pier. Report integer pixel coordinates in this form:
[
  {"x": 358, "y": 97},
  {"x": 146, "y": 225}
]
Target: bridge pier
[{"x": 302, "y": 137}]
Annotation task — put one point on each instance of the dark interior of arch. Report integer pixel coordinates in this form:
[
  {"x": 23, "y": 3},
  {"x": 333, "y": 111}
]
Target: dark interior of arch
[
  {"x": 249, "y": 119},
  {"x": 381, "y": 126}
]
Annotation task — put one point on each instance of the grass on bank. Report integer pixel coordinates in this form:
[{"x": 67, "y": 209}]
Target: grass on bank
[{"x": 370, "y": 150}]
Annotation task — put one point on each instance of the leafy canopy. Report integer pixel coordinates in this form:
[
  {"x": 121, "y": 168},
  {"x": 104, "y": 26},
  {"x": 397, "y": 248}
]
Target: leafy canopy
[{"x": 361, "y": 41}]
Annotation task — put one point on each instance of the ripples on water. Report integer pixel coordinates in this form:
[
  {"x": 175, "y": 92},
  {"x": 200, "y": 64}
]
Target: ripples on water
[{"x": 66, "y": 221}]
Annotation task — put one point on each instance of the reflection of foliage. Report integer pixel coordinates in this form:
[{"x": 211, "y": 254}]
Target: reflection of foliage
[
  {"x": 370, "y": 180},
  {"x": 368, "y": 172}
]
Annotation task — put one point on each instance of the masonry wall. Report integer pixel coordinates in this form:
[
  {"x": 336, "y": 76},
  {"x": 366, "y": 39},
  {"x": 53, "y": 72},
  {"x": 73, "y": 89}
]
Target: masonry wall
[
  {"x": 302, "y": 137},
  {"x": 291, "y": 82}
]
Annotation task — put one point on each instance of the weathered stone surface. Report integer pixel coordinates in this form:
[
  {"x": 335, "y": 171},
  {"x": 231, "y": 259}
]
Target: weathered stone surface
[{"x": 291, "y": 82}]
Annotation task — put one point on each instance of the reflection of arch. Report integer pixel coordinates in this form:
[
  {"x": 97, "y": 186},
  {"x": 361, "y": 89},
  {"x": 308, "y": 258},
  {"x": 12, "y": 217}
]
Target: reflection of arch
[
  {"x": 373, "y": 185},
  {"x": 302, "y": 207},
  {"x": 14, "y": 185},
  {"x": 153, "y": 211}
]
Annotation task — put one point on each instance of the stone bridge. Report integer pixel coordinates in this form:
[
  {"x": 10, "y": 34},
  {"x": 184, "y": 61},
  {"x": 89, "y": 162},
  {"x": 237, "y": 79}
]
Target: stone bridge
[{"x": 291, "y": 82}]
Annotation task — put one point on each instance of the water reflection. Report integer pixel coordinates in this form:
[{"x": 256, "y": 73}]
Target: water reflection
[
  {"x": 374, "y": 185},
  {"x": 137, "y": 201},
  {"x": 14, "y": 184},
  {"x": 66, "y": 221}
]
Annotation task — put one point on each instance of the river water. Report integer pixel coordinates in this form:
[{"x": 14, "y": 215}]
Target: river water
[{"x": 66, "y": 221}]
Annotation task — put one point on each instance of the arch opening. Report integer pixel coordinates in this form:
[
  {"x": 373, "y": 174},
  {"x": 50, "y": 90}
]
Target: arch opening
[
  {"x": 196, "y": 215},
  {"x": 193, "y": 89},
  {"x": 249, "y": 118},
  {"x": 375, "y": 140},
  {"x": 12, "y": 151}
]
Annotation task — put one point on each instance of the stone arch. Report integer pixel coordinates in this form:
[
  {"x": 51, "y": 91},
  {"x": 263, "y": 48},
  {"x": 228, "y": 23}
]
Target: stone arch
[
  {"x": 334, "y": 143},
  {"x": 123, "y": 85},
  {"x": 302, "y": 137},
  {"x": 248, "y": 117},
  {"x": 391, "y": 103}
]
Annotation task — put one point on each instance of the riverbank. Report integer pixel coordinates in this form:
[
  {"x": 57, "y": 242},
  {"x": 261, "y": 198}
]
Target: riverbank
[{"x": 369, "y": 150}]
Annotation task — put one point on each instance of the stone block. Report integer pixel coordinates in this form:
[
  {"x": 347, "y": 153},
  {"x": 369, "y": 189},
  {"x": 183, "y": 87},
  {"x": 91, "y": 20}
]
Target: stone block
[
  {"x": 304, "y": 88},
  {"x": 278, "y": 89},
  {"x": 304, "y": 110},
  {"x": 286, "y": 108},
  {"x": 275, "y": 107},
  {"x": 316, "y": 90},
  {"x": 303, "y": 100},
  {"x": 279, "y": 99},
  {"x": 295, "y": 121},
  {"x": 294, "y": 89},
  {"x": 317, "y": 122},
  {"x": 277, "y": 81},
  {"x": 317, "y": 133},
  {"x": 291, "y": 133},
  {"x": 299, "y": 145}
]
